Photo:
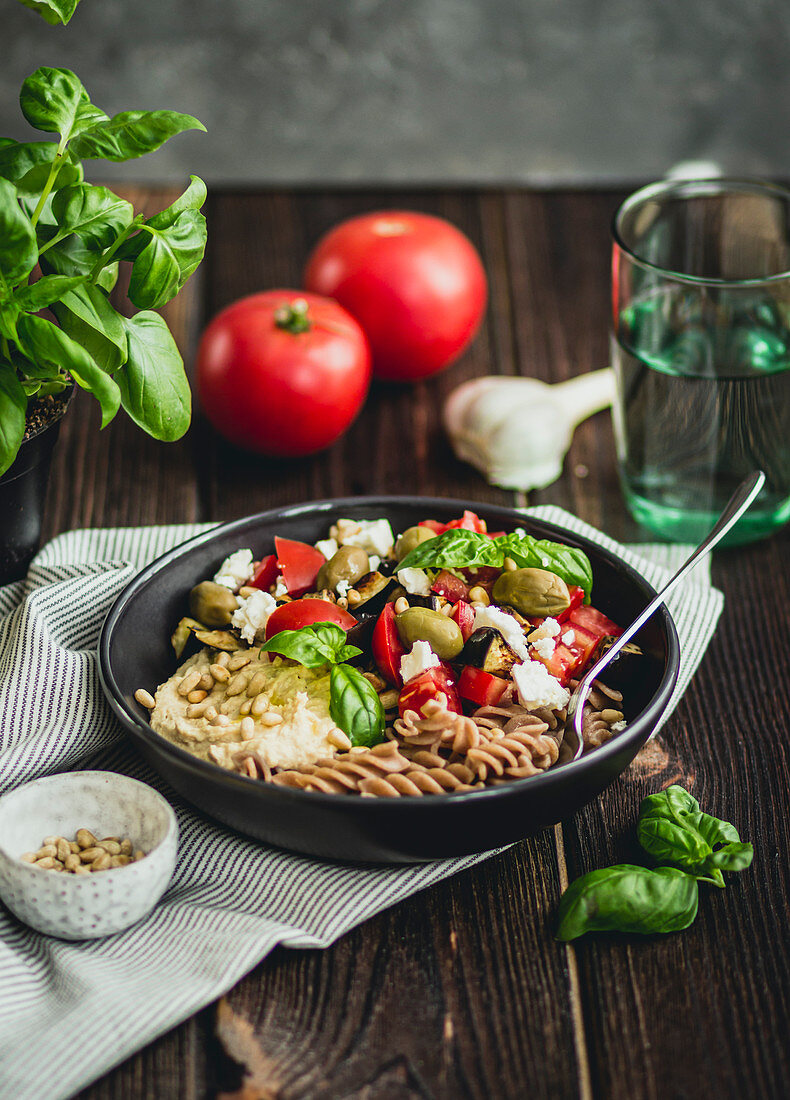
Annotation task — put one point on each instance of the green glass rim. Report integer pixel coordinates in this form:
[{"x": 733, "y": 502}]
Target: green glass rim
[{"x": 696, "y": 188}]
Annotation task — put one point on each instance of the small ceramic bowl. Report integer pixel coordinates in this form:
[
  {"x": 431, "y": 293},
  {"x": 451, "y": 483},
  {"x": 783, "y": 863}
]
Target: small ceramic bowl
[{"x": 84, "y": 907}]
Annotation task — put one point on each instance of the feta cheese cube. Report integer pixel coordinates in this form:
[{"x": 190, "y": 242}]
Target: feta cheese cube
[
  {"x": 419, "y": 659},
  {"x": 544, "y": 647},
  {"x": 507, "y": 627},
  {"x": 328, "y": 547},
  {"x": 537, "y": 687},
  {"x": 569, "y": 637},
  {"x": 374, "y": 561},
  {"x": 373, "y": 535},
  {"x": 280, "y": 588},
  {"x": 252, "y": 615},
  {"x": 415, "y": 581},
  {"x": 342, "y": 587},
  {"x": 235, "y": 571}
]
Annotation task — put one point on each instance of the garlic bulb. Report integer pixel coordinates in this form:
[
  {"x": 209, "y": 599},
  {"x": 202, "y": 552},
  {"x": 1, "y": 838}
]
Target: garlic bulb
[{"x": 517, "y": 430}]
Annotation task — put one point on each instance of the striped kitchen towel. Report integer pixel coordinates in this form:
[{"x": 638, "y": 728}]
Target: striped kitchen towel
[{"x": 232, "y": 899}]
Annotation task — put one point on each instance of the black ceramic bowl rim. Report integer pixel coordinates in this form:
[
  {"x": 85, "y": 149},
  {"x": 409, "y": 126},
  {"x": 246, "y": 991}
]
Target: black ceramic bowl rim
[{"x": 335, "y": 506}]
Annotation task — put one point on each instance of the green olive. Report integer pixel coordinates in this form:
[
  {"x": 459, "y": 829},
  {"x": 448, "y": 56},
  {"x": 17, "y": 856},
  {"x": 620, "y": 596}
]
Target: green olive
[
  {"x": 532, "y": 592},
  {"x": 212, "y": 604},
  {"x": 349, "y": 563},
  {"x": 410, "y": 538},
  {"x": 421, "y": 624}
]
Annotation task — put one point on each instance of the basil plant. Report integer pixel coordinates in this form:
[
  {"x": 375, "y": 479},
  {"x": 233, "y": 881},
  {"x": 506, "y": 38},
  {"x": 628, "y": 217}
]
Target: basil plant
[{"x": 61, "y": 243}]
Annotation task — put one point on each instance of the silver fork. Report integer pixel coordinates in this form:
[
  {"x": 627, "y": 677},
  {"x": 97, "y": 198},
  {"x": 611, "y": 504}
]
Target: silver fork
[{"x": 734, "y": 509}]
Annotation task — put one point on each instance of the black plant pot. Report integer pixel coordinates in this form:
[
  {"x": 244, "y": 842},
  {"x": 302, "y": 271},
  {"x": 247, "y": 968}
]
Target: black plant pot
[{"x": 23, "y": 490}]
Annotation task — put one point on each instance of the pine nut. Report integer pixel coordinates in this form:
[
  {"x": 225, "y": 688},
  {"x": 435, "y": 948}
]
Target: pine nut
[
  {"x": 247, "y": 728},
  {"x": 247, "y": 590},
  {"x": 111, "y": 847},
  {"x": 206, "y": 682},
  {"x": 196, "y": 710},
  {"x": 256, "y": 684},
  {"x": 238, "y": 684},
  {"x": 85, "y": 838},
  {"x": 71, "y": 862},
  {"x": 145, "y": 698},
  {"x": 339, "y": 739},
  {"x": 220, "y": 673},
  {"x": 87, "y": 855},
  {"x": 46, "y": 864},
  {"x": 48, "y": 840},
  {"x": 245, "y": 707},
  {"x": 271, "y": 718},
  {"x": 120, "y": 861},
  {"x": 353, "y": 597},
  {"x": 64, "y": 851},
  {"x": 222, "y": 659},
  {"x": 138, "y": 855},
  {"x": 612, "y": 715},
  {"x": 239, "y": 660},
  {"x": 259, "y": 704},
  {"x": 220, "y": 720},
  {"x": 389, "y": 699},
  {"x": 28, "y": 857},
  {"x": 509, "y": 565},
  {"x": 479, "y": 595},
  {"x": 102, "y": 862},
  {"x": 47, "y": 850},
  {"x": 117, "y": 839},
  {"x": 401, "y": 605},
  {"x": 210, "y": 713},
  {"x": 126, "y": 847},
  {"x": 83, "y": 869},
  {"x": 189, "y": 682},
  {"x": 197, "y": 696},
  {"x": 74, "y": 846}
]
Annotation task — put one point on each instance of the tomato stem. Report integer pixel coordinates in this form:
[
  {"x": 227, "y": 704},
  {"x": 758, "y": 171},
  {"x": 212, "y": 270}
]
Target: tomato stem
[{"x": 294, "y": 317}]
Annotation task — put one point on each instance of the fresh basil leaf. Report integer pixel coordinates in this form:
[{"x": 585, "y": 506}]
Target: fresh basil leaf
[
  {"x": 313, "y": 645},
  {"x": 13, "y": 409},
  {"x": 107, "y": 277},
  {"x": 355, "y": 706},
  {"x": 167, "y": 260},
  {"x": 95, "y": 214},
  {"x": 87, "y": 316},
  {"x": 53, "y": 11},
  {"x": 19, "y": 157},
  {"x": 192, "y": 199},
  {"x": 131, "y": 134},
  {"x": 41, "y": 340},
  {"x": 154, "y": 388},
  {"x": 47, "y": 290},
  {"x": 626, "y": 898},
  {"x": 55, "y": 101},
  {"x": 18, "y": 248},
  {"x": 9, "y": 311},
  {"x": 732, "y": 857},
  {"x": 71, "y": 256},
  {"x": 460, "y": 549}
]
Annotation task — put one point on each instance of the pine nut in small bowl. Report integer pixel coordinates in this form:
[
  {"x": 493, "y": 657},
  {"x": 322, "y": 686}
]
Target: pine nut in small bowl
[{"x": 85, "y": 854}]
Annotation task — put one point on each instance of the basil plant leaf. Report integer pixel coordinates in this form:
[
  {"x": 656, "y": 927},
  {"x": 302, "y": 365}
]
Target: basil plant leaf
[
  {"x": 86, "y": 315},
  {"x": 48, "y": 289},
  {"x": 43, "y": 341},
  {"x": 53, "y": 12},
  {"x": 132, "y": 134},
  {"x": 193, "y": 198},
  {"x": 13, "y": 409},
  {"x": 9, "y": 311},
  {"x": 94, "y": 213},
  {"x": 627, "y": 898},
  {"x": 732, "y": 857},
  {"x": 313, "y": 645},
  {"x": 18, "y": 248},
  {"x": 459, "y": 549},
  {"x": 19, "y": 157},
  {"x": 355, "y": 706},
  {"x": 167, "y": 260},
  {"x": 153, "y": 385},
  {"x": 54, "y": 100}
]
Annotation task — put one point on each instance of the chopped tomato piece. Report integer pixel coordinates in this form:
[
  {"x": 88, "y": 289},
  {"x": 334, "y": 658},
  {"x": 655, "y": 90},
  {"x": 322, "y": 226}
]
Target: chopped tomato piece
[
  {"x": 468, "y": 522},
  {"x": 434, "y": 683},
  {"x": 479, "y": 687},
  {"x": 464, "y": 615},
  {"x": 387, "y": 646},
  {"x": 577, "y": 599},
  {"x": 449, "y": 586},
  {"x": 584, "y": 642},
  {"x": 299, "y": 564},
  {"x": 299, "y": 613},
  {"x": 594, "y": 621},
  {"x": 265, "y": 574},
  {"x": 562, "y": 663},
  {"x": 434, "y": 525},
  {"x": 496, "y": 534},
  {"x": 483, "y": 575}
]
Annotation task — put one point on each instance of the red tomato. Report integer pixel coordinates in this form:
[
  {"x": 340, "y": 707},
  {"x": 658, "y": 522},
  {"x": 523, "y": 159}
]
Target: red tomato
[
  {"x": 387, "y": 647},
  {"x": 299, "y": 613},
  {"x": 588, "y": 618},
  {"x": 577, "y": 599},
  {"x": 265, "y": 574},
  {"x": 299, "y": 564},
  {"x": 449, "y": 586},
  {"x": 434, "y": 683},
  {"x": 464, "y": 615},
  {"x": 468, "y": 522},
  {"x": 280, "y": 379},
  {"x": 562, "y": 663},
  {"x": 479, "y": 687},
  {"x": 414, "y": 282},
  {"x": 434, "y": 525}
]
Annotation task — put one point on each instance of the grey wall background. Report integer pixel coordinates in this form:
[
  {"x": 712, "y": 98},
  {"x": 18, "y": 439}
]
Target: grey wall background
[{"x": 357, "y": 91}]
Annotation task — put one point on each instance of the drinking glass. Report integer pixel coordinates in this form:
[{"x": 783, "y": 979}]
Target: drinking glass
[{"x": 701, "y": 351}]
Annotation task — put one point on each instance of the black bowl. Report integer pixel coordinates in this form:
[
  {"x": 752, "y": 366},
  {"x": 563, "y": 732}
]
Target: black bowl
[{"x": 134, "y": 652}]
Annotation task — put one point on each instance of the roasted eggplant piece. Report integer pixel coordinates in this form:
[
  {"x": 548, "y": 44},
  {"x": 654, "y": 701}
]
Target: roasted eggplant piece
[
  {"x": 488, "y": 650},
  {"x": 183, "y": 634},
  {"x": 372, "y": 590}
]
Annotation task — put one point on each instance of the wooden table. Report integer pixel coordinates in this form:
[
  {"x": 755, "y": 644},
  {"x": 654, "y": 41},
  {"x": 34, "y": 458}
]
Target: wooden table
[{"x": 461, "y": 991}]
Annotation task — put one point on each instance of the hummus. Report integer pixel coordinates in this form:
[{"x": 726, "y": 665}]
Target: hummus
[{"x": 293, "y": 729}]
